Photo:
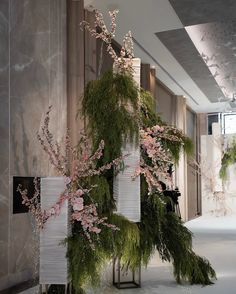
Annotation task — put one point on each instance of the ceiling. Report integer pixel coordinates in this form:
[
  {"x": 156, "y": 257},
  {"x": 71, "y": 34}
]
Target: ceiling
[{"x": 192, "y": 44}]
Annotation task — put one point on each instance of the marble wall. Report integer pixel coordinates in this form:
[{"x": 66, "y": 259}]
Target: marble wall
[
  {"x": 4, "y": 136},
  {"x": 32, "y": 77}
]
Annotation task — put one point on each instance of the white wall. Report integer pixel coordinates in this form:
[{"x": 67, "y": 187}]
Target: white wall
[{"x": 218, "y": 198}]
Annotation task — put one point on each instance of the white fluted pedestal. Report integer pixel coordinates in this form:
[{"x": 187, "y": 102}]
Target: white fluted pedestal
[{"x": 53, "y": 262}]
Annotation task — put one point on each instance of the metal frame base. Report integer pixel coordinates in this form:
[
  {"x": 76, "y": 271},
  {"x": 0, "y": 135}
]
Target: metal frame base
[{"x": 134, "y": 283}]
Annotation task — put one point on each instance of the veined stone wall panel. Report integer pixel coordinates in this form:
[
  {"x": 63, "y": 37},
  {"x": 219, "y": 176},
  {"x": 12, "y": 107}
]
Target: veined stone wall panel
[
  {"x": 4, "y": 139},
  {"x": 33, "y": 47}
]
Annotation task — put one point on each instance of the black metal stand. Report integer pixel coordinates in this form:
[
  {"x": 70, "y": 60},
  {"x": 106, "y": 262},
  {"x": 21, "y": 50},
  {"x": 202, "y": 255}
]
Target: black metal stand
[
  {"x": 117, "y": 274},
  {"x": 177, "y": 209}
]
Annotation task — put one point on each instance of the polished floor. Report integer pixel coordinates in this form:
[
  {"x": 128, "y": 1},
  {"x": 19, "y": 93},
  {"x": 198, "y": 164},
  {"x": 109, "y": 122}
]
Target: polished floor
[{"x": 215, "y": 238}]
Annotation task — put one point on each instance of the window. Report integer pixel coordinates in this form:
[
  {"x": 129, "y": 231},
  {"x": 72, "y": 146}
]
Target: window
[
  {"x": 229, "y": 123},
  {"x": 212, "y": 118},
  {"x": 226, "y": 120}
]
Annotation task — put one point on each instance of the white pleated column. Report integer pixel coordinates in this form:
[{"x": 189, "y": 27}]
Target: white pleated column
[
  {"x": 216, "y": 157},
  {"x": 53, "y": 261},
  {"x": 127, "y": 190}
]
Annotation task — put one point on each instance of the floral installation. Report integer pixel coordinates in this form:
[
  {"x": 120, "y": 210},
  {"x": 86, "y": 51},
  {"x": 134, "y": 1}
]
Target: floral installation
[
  {"x": 79, "y": 164},
  {"x": 155, "y": 159},
  {"x": 123, "y": 61},
  {"x": 83, "y": 166}
]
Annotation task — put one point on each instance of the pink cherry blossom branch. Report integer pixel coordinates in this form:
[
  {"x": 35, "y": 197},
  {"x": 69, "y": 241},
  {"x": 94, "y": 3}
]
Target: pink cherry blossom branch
[
  {"x": 159, "y": 158},
  {"x": 84, "y": 164},
  {"x": 123, "y": 61}
]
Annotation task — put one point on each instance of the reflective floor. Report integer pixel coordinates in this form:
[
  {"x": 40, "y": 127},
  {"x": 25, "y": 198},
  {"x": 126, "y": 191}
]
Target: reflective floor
[{"x": 215, "y": 238}]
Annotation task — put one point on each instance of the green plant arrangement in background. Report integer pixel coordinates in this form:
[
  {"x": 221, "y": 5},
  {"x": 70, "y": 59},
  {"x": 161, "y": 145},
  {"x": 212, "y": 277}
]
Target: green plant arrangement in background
[{"x": 228, "y": 159}]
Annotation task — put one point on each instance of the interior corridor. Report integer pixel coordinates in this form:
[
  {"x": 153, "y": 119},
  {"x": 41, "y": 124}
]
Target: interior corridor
[
  {"x": 215, "y": 238},
  {"x": 152, "y": 85}
]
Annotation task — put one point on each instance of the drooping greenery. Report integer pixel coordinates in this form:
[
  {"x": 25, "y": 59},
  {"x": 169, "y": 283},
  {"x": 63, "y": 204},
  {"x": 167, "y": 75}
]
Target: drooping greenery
[
  {"x": 110, "y": 104},
  {"x": 178, "y": 243},
  {"x": 148, "y": 114},
  {"x": 228, "y": 159},
  {"x": 106, "y": 105},
  {"x": 102, "y": 195},
  {"x": 150, "y": 118},
  {"x": 164, "y": 231},
  {"x": 176, "y": 148},
  {"x": 86, "y": 264}
]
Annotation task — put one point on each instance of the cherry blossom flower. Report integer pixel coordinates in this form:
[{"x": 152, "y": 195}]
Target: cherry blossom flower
[
  {"x": 159, "y": 158},
  {"x": 123, "y": 61},
  {"x": 67, "y": 180},
  {"x": 84, "y": 165},
  {"x": 78, "y": 204}
]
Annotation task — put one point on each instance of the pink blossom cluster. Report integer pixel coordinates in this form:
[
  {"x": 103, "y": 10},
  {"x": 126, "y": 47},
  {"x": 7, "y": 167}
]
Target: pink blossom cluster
[
  {"x": 33, "y": 204},
  {"x": 88, "y": 217},
  {"x": 159, "y": 159},
  {"x": 83, "y": 166},
  {"x": 53, "y": 149},
  {"x": 169, "y": 133},
  {"x": 123, "y": 62}
]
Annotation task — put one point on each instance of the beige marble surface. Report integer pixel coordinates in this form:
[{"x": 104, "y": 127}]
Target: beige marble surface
[
  {"x": 32, "y": 77},
  {"x": 4, "y": 137}
]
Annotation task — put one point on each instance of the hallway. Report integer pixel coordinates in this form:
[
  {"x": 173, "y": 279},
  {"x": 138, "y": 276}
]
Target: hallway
[{"x": 215, "y": 238}]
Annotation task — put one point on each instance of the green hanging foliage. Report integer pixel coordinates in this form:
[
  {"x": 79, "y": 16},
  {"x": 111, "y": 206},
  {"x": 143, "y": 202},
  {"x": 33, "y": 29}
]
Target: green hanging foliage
[
  {"x": 106, "y": 104},
  {"x": 148, "y": 114},
  {"x": 158, "y": 230},
  {"x": 134, "y": 243},
  {"x": 150, "y": 227},
  {"x": 164, "y": 231},
  {"x": 228, "y": 159},
  {"x": 175, "y": 148},
  {"x": 187, "y": 265},
  {"x": 150, "y": 118},
  {"x": 86, "y": 264},
  {"x": 102, "y": 195}
]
